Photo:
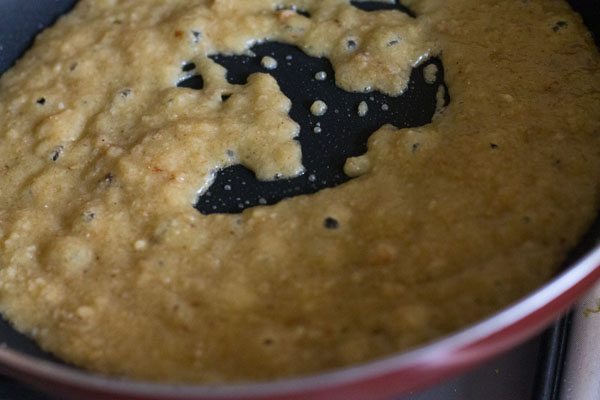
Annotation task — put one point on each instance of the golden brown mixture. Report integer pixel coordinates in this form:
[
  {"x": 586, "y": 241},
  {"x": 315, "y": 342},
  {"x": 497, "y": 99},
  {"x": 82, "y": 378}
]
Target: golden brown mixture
[{"x": 105, "y": 261}]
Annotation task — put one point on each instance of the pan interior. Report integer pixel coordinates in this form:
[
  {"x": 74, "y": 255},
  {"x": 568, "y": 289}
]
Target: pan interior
[{"x": 20, "y": 21}]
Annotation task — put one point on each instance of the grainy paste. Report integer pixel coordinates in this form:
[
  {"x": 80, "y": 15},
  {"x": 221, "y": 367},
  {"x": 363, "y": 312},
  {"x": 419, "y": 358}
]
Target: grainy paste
[{"x": 106, "y": 263}]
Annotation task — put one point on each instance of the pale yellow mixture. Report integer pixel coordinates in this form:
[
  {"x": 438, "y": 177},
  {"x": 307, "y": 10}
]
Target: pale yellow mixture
[{"x": 106, "y": 263}]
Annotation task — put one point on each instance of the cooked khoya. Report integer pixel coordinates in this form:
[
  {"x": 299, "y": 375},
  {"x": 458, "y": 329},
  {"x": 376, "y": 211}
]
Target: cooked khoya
[{"x": 106, "y": 263}]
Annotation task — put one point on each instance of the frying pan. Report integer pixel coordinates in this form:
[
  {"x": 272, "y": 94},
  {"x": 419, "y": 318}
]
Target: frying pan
[{"x": 21, "y": 358}]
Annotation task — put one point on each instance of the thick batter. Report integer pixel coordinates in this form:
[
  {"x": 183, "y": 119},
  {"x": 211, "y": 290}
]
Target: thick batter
[{"x": 106, "y": 263}]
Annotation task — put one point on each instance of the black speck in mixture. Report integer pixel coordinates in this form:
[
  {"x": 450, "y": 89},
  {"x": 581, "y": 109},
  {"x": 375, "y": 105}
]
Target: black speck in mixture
[
  {"x": 109, "y": 178},
  {"x": 351, "y": 44},
  {"x": 195, "y": 82},
  {"x": 331, "y": 223},
  {"x": 56, "y": 153},
  {"x": 187, "y": 67},
  {"x": 197, "y": 35},
  {"x": 559, "y": 25}
]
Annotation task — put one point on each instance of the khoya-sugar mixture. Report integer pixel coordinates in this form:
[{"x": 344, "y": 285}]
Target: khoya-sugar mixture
[{"x": 107, "y": 263}]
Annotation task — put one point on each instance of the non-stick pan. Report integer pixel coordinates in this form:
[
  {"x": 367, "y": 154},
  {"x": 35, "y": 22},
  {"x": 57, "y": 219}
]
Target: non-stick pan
[{"x": 236, "y": 189}]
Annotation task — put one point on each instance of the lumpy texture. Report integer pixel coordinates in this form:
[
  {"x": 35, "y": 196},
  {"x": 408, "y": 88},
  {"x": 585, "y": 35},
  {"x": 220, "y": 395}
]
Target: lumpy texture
[{"x": 106, "y": 263}]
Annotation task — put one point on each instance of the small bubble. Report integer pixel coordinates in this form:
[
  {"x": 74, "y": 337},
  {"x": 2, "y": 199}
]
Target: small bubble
[
  {"x": 269, "y": 63},
  {"x": 312, "y": 178},
  {"x": 430, "y": 73},
  {"x": 321, "y": 75},
  {"x": 385, "y": 107},
  {"x": 318, "y": 108},
  {"x": 363, "y": 108},
  {"x": 227, "y": 188}
]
